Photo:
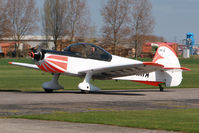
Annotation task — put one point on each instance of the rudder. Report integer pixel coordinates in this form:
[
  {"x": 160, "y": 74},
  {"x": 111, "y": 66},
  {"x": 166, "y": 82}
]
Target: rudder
[{"x": 166, "y": 56}]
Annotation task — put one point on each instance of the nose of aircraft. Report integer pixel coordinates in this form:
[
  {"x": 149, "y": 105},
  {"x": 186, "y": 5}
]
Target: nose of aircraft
[
  {"x": 35, "y": 55},
  {"x": 31, "y": 54}
]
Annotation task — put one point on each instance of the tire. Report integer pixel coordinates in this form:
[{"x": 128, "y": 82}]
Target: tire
[
  {"x": 161, "y": 88},
  {"x": 48, "y": 90},
  {"x": 84, "y": 92}
]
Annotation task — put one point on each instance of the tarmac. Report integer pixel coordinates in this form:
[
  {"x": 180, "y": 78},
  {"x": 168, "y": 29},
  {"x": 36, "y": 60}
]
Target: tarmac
[
  {"x": 22, "y": 103},
  {"x": 37, "y": 126}
]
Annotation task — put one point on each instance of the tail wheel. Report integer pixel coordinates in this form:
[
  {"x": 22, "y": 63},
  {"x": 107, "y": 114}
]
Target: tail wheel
[{"x": 161, "y": 88}]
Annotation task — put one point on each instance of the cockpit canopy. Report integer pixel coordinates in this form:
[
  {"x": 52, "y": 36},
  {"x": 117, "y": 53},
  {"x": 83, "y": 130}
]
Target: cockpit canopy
[{"x": 85, "y": 50}]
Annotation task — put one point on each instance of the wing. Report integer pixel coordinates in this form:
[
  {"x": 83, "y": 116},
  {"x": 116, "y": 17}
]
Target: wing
[
  {"x": 123, "y": 70},
  {"x": 24, "y": 65}
]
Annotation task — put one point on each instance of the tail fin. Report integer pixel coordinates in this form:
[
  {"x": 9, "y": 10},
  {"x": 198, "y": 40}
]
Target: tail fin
[{"x": 166, "y": 56}]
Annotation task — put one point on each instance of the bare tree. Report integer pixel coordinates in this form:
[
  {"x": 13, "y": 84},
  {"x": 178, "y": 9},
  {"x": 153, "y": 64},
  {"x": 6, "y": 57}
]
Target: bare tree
[
  {"x": 22, "y": 16},
  {"x": 142, "y": 23},
  {"x": 4, "y": 27},
  {"x": 78, "y": 18},
  {"x": 54, "y": 19},
  {"x": 92, "y": 31},
  {"x": 1, "y": 18},
  {"x": 116, "y": 19}
]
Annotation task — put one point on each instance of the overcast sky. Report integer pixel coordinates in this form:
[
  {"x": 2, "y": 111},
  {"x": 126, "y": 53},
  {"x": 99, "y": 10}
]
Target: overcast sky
[{"x": 174, "y": 18}]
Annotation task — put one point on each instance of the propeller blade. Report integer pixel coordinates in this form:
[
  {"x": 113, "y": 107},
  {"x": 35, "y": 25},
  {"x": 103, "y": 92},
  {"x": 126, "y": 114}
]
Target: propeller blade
[{"x": 37, "y": 53}]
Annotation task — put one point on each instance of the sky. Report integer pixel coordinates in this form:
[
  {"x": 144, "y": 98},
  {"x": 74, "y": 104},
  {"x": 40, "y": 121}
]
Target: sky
[{"x": 173, "y": 18}]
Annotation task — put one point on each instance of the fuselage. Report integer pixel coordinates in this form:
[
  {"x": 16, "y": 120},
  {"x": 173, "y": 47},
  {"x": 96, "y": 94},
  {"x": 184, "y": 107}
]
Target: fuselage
[
  {"x": 79, "y": 59},
  {"x": 73, "y": 65}
]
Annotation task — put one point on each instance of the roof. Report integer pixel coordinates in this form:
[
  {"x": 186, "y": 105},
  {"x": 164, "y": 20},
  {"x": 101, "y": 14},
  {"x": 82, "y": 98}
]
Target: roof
[
  {"x": 33, "y": 37},
  {"x": 158, "y": 43},
  {"x": 6, "y": 44}
]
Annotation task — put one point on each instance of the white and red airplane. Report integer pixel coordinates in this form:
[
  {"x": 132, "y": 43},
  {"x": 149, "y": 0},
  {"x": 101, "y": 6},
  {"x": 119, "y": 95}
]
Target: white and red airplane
[{"x": 93, "y": 62}]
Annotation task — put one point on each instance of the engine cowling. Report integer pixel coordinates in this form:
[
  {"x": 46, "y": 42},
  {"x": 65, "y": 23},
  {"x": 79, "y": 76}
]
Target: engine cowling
[{"x": 37, "y": 55}]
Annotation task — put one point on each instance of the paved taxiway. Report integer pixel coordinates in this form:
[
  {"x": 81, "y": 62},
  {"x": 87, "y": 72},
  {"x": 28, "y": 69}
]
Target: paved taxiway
[
  {"x": 36, "y": 126},
  {"x": 20, "y": 103}
]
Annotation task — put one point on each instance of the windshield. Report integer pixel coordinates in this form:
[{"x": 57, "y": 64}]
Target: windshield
[{"x": 88, "y": 51}]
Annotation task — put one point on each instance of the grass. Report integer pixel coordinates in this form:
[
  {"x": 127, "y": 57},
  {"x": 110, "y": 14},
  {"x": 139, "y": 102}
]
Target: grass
[
  {"x": 4, "y": 61},
  {"x": 27, "y": 79},
  {"x": 172, "y": 120},
  {"x": 23, "y": 79}
]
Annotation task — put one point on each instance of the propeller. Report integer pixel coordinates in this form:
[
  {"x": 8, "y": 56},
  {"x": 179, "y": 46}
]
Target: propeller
[{"x": 37, "y": 53}]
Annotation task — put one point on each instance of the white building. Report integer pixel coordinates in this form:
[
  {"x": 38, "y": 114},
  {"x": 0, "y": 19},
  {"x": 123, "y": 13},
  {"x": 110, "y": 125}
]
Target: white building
[{"x": 32, "y": 40}]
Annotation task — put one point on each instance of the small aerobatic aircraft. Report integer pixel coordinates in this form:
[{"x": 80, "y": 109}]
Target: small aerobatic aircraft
[{"x": 93, "y": 62}]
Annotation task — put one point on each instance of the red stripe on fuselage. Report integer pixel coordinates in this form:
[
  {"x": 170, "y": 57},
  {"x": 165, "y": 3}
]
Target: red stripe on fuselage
[
  {"x": 57, "y": 57},
  {"x": 60, "y": 64},
  {"x": 48, "y": 68},
  {"x": 56, "y": 69},
  {"x": 153, "y": 83},
  {"x": 42, "y": 67}
]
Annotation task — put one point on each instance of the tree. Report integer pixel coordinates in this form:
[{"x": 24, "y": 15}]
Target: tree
[
  {"x": 22, "y": 16},
  {"x": 92, "y": 31},
  {"x": 116, "y": 18},
  {"x": 4, "y": 28},
  {"x": 153, "y": 38},
  {"x": 55, "y": 19},
  {"x": 78, "y": 18},
  {"x": 142, "y": 23}
]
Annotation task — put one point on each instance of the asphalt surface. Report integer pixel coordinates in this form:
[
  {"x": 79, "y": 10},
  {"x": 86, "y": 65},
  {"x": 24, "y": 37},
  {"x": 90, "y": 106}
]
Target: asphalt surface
[
  {"x": 21, "y": 103},
  {"x": 36, "y": 126}
]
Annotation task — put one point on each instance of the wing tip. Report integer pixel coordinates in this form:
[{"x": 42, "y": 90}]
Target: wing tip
[
  {"x": 152, "y": 64},
  {"x": 186, "y": 69},
  {"x": 10, "y": 63},
  {"x": 182, "y": 68}
]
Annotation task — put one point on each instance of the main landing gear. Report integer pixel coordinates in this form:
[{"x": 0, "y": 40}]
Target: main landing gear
[
  {"x": 52, "y": 85},
  {"x": 85, "y": 92},
  {"x": 86, "y": 86}
]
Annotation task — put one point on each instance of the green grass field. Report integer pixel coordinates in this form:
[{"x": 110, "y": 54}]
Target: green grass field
[
  {"x": 24, "y": 79},
  {"x": 172, "y": 120}
]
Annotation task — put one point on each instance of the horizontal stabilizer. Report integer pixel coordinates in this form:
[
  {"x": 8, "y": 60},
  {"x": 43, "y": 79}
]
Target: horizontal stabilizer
[{"x": 180, "y": 68}]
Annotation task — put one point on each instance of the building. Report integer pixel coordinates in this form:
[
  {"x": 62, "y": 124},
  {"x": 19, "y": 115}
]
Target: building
[
  {"x": 1, "y": 53},
  {"x": 5, "y": 47},
  {"x": 8, "y": 49},
  {"x": 32, "y": 40},
  {"x": 149, "y": 48}
]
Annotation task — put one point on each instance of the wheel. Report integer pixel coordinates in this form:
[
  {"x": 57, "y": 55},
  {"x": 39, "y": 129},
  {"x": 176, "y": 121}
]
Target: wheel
[
  {"x": 161, "y": 88},
  {"x": 85, "y": 92},
  {"x": 48, "y": 90}
]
